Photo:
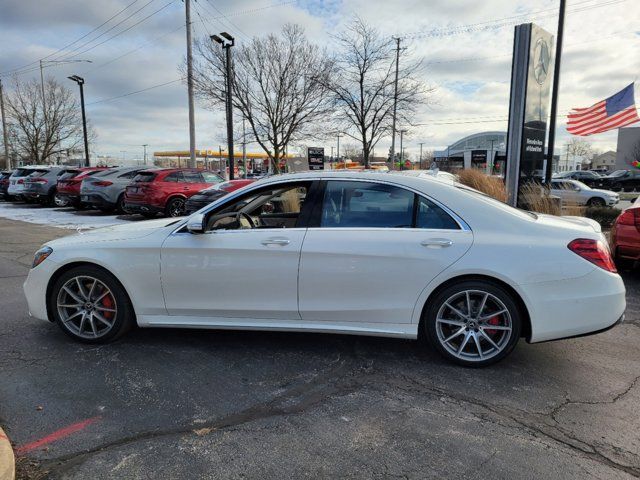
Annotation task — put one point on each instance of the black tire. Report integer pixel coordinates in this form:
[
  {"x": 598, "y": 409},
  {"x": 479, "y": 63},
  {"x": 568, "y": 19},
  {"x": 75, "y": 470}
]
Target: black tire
[
  {"x": 596, "y": 202},
  {"x": 176, "y": 207},
  {"x": 120, "y": 205},
  {"x": 124, "y": 318},
  {"x": 506, "y": 343}
]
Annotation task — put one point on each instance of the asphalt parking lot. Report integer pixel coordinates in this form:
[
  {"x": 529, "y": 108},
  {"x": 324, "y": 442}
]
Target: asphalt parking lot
[{"x": 210, "y": 404}]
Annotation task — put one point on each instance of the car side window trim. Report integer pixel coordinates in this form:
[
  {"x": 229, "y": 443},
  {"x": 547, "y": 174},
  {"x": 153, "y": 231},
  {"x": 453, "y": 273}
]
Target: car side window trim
[{"x": 314, "y": 221}]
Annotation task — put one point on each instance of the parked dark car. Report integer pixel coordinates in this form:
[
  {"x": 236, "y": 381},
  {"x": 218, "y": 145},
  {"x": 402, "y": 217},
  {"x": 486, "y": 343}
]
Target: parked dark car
[
  {"x": 69, "y": 184},
  {"x": 211, "y": 194},
  {"x": 41, "y": 185},
  {"x": 627, "y": 180},
  {"x": 166, "y": 190},
  {"x": 4, "y": 184},
  {"x": 587, "y": 177}
]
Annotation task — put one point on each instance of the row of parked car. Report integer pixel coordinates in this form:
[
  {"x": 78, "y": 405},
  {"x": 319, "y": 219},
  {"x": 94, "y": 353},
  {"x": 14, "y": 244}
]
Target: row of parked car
[
  {"x": 148, "y": 191},
  {"x": 620, "y": 180}
]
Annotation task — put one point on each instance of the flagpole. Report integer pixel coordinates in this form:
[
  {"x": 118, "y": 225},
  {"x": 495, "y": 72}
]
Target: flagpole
[{"x": 554, "y": 94}]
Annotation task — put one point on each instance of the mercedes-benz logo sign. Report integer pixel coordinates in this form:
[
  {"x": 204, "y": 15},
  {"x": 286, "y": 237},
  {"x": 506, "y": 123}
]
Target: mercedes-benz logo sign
[{"x": 541, "y": 58}]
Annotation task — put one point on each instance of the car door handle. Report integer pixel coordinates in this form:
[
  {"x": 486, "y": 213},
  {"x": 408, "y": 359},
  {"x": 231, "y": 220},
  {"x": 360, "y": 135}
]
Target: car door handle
[
  {"x": 437, "y": 242},
  {"x": 275, "y": 241}
]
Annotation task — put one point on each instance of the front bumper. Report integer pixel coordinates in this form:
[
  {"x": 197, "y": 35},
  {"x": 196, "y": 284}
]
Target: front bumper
[{"x": 35, "y": 288}]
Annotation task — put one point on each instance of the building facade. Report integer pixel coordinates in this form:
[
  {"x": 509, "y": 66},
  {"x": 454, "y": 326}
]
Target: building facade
[
  {"x": 628, "y": 148},
  {"x": 485, "y": 151}
]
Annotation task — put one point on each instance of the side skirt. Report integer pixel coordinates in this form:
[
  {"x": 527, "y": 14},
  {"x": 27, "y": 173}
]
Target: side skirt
[{"x": 397, "y": 330}]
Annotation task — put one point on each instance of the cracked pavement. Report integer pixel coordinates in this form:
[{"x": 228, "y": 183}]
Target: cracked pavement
[{"x": 215, "y": 404}]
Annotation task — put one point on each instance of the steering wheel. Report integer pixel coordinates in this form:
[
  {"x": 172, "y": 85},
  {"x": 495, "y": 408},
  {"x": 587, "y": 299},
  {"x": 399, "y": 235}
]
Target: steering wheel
[{"x": 243, "y": 219}]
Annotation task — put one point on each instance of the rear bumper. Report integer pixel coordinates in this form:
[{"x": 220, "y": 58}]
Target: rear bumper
[
  {"x": 574, "y": 307},
  {"x": 96, "y": 200},
  {"x": 142, "y": 208}
]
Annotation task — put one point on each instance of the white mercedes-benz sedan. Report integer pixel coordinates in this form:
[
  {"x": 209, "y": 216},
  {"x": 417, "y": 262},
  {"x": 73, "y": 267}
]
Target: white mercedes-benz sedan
[{"x": 342, "y": 252}]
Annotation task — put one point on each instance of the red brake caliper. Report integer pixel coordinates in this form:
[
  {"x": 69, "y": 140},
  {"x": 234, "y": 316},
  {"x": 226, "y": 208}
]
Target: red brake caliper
[
  {"x": 492, "y": 321},
  {"x": 107, "y": 302}
]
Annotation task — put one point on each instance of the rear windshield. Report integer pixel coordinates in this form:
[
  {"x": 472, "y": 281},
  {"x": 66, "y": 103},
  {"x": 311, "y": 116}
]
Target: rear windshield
[
  {"x": 144, "y": 177},
  {"x": 492, "y": 200},
  {"x": 22, "y": 172},
  {"x": 68, "y": 174},
  {"x": 39, "y": 173}
]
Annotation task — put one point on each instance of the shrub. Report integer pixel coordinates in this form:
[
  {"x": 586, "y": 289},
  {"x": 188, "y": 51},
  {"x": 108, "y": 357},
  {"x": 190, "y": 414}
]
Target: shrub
[
  {"x": 603, "y": 215},
  {"x": 492, "y": 186}
]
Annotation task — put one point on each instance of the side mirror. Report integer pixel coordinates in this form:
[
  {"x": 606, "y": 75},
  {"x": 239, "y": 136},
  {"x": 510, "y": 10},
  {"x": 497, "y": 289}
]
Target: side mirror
[{"x": 195, "y": 224}]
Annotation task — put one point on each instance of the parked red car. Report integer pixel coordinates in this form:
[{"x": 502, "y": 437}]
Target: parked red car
[
  {"x": 625, "y": 236},
  {"x": 69, "y": 184},
  {"x": 165, "y": 190},
  {"x": 211, "y": 194}
]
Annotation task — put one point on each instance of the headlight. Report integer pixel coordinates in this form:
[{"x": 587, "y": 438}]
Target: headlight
[{"x": 41, "y": 255}]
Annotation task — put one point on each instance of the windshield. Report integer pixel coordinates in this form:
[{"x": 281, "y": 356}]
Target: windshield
[
  {"x": 618, "y": 173},
  {"x": 39, "y": 173},
  {"x": 583, "y": 186}
]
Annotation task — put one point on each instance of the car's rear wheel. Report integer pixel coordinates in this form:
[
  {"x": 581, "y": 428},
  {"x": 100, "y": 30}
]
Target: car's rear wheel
[
  {"x": 120, "y": 205},
  {"x": 90, "y": 305},
  {"x": 176, "y": 207},
  {"x": 596, "y": 202},
  {"x": 473, "y": 323}
]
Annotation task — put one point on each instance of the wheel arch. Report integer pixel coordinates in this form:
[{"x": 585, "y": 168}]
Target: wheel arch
[
  {"x": 71, "y": 265},
  {"x": 526, "y": 326}
]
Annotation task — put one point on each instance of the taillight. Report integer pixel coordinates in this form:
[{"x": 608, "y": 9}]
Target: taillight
[
  {"x": 631, "y": 216},
  {"x": 20, "y": 180},
  {"x": 39, "y": 180},
  {"x": 102, "y": 183},
  {"x": 595, "y": 252}
]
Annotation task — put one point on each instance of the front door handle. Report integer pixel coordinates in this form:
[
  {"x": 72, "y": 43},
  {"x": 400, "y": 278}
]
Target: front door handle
[
  {"x": 437, "y": 242},
  {"x": 275, "y": 241}
]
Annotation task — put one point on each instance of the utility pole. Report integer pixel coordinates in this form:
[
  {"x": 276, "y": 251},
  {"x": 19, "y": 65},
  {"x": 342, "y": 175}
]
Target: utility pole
[
  {"x": 227, "y": 41},
  {"x": 5, "y": 136},
  {"x": 80, "y": 82},
  {"x": 395, "y": 106},
  {"x": 244, "y": 148},
  {"x": 490, "y": 160},
  {"x": 145, "y": 152},
  {"x": 554, "y": 94},
  {"x": 192, "y": 120},
  {"x": 402, "y": 132},
  {"x": 338, "y": 150},
  {"x": 421, "y": 143}
]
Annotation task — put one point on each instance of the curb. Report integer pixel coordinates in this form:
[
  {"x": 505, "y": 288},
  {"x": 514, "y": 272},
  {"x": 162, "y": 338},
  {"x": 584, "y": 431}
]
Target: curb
[{"x": 7, "y": 461}]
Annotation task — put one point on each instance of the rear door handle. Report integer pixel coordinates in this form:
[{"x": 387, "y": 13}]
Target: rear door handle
[
  {"x": 437, "y": 242},
  {"x": 275, "y": 241}
]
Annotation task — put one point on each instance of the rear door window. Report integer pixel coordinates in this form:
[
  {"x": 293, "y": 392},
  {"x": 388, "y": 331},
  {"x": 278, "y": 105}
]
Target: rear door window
[
  {"x": 192, "y": 177},
  {"x": 432, "y": 216},
  {"x": 174, "y": 177},
  {"x": 144, "y": 177}
]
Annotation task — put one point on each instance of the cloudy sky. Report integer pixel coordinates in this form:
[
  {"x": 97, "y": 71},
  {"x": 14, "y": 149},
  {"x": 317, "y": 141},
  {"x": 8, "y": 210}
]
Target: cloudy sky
[{"x": 465, "y": 47}]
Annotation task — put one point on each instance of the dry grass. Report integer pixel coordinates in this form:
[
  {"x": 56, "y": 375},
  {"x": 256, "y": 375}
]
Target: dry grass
[
  {"x": 536, "y": 198},
  {"x": 492, "y": 186}
]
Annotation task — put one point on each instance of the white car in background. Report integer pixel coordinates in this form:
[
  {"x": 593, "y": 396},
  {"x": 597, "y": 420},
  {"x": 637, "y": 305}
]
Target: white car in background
[
  {"x": 340, "y": 252},
  {"x": 17, "y": 179},
  {"x": 577, "y": 193}
]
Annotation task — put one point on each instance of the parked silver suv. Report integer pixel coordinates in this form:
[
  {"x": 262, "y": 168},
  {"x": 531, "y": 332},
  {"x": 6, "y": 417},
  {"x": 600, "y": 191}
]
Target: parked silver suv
[
  {"x": 41, "y": 185},
  {"x": 16, "y": 181},
  {"x": 105, "y": 190}
]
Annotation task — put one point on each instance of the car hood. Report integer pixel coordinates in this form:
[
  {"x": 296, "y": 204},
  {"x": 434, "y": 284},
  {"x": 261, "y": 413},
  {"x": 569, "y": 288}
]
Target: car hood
[
  {"x": 605, "y": 192},
  {"x": 126, "y": 231}
]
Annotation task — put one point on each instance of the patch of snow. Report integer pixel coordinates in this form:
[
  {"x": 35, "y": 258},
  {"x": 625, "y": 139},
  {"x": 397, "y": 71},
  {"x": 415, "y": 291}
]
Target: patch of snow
[{"x": 62, "y": 217}]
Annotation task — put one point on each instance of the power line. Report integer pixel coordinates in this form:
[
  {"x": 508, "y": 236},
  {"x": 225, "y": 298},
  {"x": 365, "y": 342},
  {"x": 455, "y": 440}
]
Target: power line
[
  {"x": 103, "y": 100},
  {"x": 75, "y": 41}
]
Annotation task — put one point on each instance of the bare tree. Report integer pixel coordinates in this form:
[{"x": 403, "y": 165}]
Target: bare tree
[
  {"x": 278, "y": 86},
  {"x": 362, "y": 85},
  {"x": 42, "y": 130}
]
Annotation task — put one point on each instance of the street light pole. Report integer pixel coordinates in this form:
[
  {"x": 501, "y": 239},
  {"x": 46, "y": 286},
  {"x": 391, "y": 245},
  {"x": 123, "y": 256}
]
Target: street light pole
[
  {"x": 226, "y": 44},
  {"x": 395, "y": 106},
  {"x": 421, "y": 143},
  {"x": 80, "y": 82},
  {"x": 402, "y": 132},
  {"x": 145, "y": 152},
  {"x": 338, "y": 150}
]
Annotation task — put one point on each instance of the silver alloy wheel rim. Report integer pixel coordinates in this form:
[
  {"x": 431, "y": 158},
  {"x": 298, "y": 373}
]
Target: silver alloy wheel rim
[
  {"x": 474, "y": 325},
  {"x": 87, "y": 307},
  {"x": 177, "y": 208}
]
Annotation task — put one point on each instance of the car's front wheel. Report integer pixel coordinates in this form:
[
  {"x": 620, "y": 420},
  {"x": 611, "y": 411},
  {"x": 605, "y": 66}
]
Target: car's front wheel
[
  {"x": 90, "y": 305},
  {"x": 473, "y": 323},
  {"x": 596, "y": 202}
]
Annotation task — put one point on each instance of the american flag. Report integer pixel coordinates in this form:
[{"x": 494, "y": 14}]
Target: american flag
[{"x": 616, "y": 111}]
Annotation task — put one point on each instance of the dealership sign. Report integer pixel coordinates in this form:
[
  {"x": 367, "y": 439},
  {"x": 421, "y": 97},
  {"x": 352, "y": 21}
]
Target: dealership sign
[
  {"x": 315, "y": 155},
  {"x": 531, "y": 77}
]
